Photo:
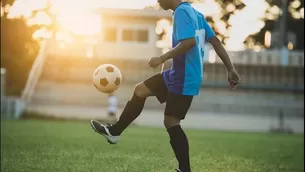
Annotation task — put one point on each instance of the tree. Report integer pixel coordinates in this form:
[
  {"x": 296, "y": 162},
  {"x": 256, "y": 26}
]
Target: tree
[
  {"x": 294, "y": 24},
  {"x": 226, "y": 13},
  {"x": 18, "y": 51},
  {"x": 18, "y": 47}
]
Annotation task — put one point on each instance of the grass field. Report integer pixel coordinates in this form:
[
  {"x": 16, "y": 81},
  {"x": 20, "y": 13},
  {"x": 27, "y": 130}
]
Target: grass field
[{"x": 49, "y": 146}]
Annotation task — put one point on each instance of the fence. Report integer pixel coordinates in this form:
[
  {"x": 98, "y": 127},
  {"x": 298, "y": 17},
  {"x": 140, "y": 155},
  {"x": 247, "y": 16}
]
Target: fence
[
  {"x": 253, "y": 76},
  {"x": 268, "y": 57},
  {"x": 11, "y": 107}
]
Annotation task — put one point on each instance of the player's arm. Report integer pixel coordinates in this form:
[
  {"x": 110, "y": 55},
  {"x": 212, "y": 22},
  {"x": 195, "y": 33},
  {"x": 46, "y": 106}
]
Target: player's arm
[
  {"x": 183, "y": 47},
  {"x": 185, "y": 34},
  {"x": 210, "y": 36},
  {"x": 233, "y": 76},
  {"x": 221, "y": 52},
  {"x": 218, "y": 47}
]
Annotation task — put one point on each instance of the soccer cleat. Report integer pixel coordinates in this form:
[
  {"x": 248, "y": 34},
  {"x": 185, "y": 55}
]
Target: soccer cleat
[
  {"x": 177, "y": 170},
  {"x": 104, "y": 131}
]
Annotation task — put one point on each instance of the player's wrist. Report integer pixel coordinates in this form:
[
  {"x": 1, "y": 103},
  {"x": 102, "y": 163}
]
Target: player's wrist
[
  {"x": 163, "y": 58},
  {"x": 231, "y": 69}
]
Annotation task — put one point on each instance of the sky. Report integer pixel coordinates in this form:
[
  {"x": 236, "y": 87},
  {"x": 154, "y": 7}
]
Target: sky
[{"x": 245, "y": 22}]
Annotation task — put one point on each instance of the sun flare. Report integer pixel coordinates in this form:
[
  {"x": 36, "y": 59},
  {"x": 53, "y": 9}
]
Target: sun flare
[{"x": 75, "y": 17}]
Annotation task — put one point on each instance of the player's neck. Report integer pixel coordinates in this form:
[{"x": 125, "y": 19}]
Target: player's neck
[{"x": 176, "y": 4}]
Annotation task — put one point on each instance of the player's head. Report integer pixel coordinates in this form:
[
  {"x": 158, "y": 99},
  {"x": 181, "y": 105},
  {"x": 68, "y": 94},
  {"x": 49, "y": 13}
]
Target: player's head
[{"x": 166, "y": 4}]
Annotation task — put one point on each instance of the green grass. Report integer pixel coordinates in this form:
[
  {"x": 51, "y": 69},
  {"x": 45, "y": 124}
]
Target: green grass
[{"x": 43, "y": 146}]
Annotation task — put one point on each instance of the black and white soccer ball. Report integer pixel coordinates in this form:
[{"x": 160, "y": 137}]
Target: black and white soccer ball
[{"x": 107, "y": 78}]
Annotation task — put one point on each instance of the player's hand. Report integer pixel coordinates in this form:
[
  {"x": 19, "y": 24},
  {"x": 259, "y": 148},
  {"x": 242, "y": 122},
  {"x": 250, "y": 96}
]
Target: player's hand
[
  {"x": 233, "y": 78},
  {"x": 155, "y": 62}
]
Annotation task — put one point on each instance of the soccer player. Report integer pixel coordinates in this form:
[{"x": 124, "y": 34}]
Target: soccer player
[
  {"x": 112, "y": 107},
  {"x": 178, "y": 85}
]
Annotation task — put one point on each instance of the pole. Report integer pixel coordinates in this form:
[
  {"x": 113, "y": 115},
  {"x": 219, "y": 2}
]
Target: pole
[
  {"x": 3, "y": 72},
  {"x": 283, "y": 33}
]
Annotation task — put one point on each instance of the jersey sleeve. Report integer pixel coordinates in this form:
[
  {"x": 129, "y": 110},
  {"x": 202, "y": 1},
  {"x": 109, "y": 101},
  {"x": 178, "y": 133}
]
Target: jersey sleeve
[
  {"x": 183, "y": 25},
  {"x": 208, "y": 30}
]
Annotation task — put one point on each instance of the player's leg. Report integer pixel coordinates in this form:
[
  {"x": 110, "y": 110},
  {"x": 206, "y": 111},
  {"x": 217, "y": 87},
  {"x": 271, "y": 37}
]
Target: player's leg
[
  {"x": 175, "y": 111},
  {"x": 153, "y": 86},
  {"x": 132, "y": 109}
]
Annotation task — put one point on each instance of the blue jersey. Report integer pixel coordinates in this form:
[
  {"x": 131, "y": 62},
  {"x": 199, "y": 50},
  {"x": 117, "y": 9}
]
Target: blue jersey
[{"x": 186, "y": 73}]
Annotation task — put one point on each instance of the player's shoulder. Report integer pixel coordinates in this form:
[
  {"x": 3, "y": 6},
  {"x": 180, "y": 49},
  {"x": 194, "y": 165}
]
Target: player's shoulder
[
  {"x": 184, "y": 7},
  {"x": 187, "y": 8}
]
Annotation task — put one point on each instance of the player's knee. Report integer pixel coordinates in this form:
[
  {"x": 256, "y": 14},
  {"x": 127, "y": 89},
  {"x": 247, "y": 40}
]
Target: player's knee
[
  {"x": 141, "y": 90},
  {"x": 170, "y": 121}
]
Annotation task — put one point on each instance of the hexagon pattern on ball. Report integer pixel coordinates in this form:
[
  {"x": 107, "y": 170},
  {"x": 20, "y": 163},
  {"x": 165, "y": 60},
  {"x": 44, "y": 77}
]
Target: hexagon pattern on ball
[
  {"x": 107, "y": 78},
  {"x": 103, "y": 82},
  {"x": 110, "y": 69},
  {"x": 117, "y": 81}
]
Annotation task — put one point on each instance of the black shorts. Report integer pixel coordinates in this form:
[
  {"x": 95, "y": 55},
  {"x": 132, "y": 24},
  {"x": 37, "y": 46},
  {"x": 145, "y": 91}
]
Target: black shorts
[{"x": 176, "y": 105}]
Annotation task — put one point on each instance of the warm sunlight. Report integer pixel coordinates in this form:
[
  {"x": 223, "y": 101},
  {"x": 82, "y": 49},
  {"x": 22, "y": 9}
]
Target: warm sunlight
[
  {"x": 80, "y": 23},
  {"x": 164, "y": 26},
  {"x": 2, "y": 11},
  {"x": 79, "y": 20},
  {"x": 246, "y": 22},
  {"x": 268, "y": 39},
  {"x": 76, "y": 17}
]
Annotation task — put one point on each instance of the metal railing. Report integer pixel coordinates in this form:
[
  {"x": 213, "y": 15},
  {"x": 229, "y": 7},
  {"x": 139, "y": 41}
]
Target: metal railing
[
  {"x": 268, "y": 57},
  {"x": 257, "y": 74},
  {"x": 11, "y": 108}
]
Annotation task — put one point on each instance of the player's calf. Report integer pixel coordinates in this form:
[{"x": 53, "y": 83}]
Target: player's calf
[
  {"x": 132, "y": 109},
  {"x": 178, "y": 141}
]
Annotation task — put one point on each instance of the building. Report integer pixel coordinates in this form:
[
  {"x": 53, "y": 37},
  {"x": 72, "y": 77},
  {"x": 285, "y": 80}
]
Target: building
[{"x": 132, "y": 32}]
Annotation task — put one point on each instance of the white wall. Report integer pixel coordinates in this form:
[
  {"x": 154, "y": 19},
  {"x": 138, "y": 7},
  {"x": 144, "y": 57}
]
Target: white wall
[{"x": 133, "y": 50}]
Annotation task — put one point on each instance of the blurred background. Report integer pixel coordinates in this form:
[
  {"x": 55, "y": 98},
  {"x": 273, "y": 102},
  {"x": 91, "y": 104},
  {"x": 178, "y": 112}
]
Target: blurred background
[{"x": 50, "y": 49}]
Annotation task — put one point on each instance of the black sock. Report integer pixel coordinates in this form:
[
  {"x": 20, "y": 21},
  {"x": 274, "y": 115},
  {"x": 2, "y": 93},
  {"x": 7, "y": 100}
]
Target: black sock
[
  {"x": 179, "y": 143},
  {"x": 131, "y": 111}
]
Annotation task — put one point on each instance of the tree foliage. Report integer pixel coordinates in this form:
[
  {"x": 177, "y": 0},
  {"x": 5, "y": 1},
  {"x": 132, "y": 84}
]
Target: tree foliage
[
  {"x": 293, "y": 25},
  {"x": 239, "y": 5},
  {"x": 18, "y": 51}
]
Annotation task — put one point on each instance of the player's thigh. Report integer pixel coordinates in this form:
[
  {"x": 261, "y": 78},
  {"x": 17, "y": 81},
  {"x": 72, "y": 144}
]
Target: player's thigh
[
  {"x": 157, "y": 87},
  {"x": 142, "y": 91},
  {"x": 177, "y": 106}
]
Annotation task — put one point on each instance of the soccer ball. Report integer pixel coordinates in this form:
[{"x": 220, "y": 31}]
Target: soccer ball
[{"x": 107, "y": 78}]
